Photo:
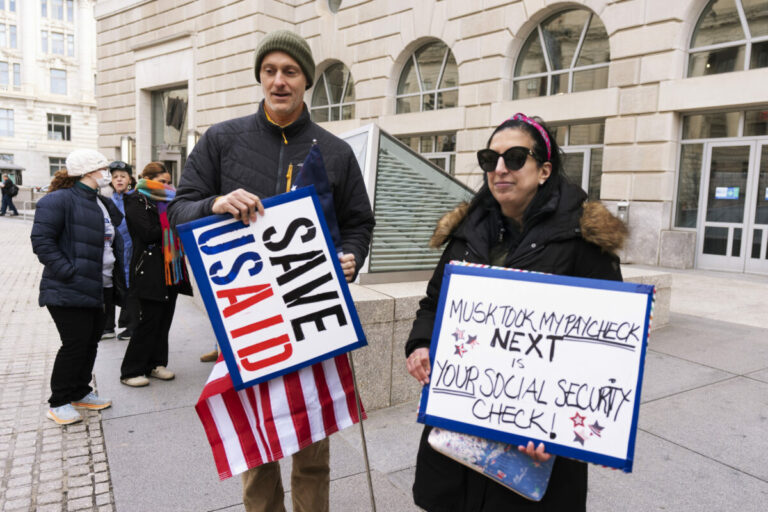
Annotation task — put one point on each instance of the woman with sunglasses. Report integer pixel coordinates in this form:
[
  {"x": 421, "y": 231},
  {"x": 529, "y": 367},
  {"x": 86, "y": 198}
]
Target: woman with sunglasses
[
  {"x": 526, "y": 215},
  {"x": 158, "y": 275}
]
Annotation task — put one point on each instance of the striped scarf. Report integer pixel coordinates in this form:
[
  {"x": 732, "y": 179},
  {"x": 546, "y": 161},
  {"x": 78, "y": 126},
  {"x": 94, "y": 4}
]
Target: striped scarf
[{"x": 173, "y": 253}]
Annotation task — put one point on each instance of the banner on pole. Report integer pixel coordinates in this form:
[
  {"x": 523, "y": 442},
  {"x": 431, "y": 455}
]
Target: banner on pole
[
  {"x": 519, "y": 356},
  {"x": 274, "y": 289}
]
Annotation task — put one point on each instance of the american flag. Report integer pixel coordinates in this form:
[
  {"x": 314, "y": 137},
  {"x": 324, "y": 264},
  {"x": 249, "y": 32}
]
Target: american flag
[{"x": 277, "y": 418}]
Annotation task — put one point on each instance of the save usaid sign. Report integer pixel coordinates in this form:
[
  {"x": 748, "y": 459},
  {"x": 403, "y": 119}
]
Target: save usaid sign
[
  {"x": 274, "y": 289},
  {"x": 520, "y": 356}
]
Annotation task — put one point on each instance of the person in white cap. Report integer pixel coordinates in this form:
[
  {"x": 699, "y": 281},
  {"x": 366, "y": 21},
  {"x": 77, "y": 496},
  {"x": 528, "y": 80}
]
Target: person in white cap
[{"x": 74, "y": 237}]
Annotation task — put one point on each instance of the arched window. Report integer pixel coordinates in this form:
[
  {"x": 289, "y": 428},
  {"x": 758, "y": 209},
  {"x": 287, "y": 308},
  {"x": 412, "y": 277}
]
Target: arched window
[
  {"x": 429, "y": 81},
  {"x": 568, "y": 52},
  {"x": 333, "y": 97},
  {"x": 731, "y": 35}
]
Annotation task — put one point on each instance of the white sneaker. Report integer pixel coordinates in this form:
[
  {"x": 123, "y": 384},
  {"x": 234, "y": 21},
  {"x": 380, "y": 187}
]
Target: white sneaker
[
  {"x": 136, "y": 382},
  {"x": 162, "y": 373},
  {"x": 64, "y": 415},
  {"x": 92, "y": 401}
]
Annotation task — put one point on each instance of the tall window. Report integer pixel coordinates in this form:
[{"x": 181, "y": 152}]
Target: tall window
[
  {"x": 12, "y": 36},
  {"x": 333, "y": 97},
  {"x": 11, "y": 5},
  {"x": 44, "y": 8},
  {"x": 583, "y": 148},
  {"x": 17, "y": 75},
  {"x": 58, "y": 127},
  {"x": 731, "y": 35},
  {"x": 57, "y": 43},
  {"x": 44, "y": 41},
  {"x": 3, "y": 35},
  {"x": 70, "y": 10},
  {"x": 429, "y": 81},
  {"x": 57, "y": 9},
  {"x": 3, "y": 74},
  {"x": 70, "y": 45},
  {"x": 440, "y": 149},
  {"x": 6, "y": 122},
  {"x": 58, "y": 81},
  {"x": 568, "y": 52},
  {"x": 56, "y": 163}
]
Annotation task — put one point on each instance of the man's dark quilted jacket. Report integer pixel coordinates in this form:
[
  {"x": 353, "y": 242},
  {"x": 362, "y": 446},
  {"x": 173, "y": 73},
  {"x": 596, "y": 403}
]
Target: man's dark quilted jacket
[{"x": 254, "y": 154}]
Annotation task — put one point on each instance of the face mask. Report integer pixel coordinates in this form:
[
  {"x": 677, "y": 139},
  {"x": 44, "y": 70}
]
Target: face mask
[{"x": 105, "y": 179}]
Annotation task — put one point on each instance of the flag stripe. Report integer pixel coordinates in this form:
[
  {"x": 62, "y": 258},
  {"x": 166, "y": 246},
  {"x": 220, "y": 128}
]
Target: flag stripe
[
  {"x": 253, "y": 418},
  {"x": 214, "y": 439},
  {"x": 298, "y": 408},
  {"x": 324, "y": 399},
  {"x": 241, "y": 424},
  {"x": 345, "y": 376},
  {"x": 266, "y": 408},
  {"x": 229, "y": 439}
]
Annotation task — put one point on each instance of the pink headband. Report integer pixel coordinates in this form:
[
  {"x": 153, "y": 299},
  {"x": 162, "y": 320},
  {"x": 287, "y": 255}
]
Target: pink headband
[{"x": 539, "y": 128}]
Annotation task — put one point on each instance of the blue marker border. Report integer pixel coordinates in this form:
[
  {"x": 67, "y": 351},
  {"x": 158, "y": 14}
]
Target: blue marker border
[
  {"x": 201, "y": 277},
  {"x": 624, "y": 464}
]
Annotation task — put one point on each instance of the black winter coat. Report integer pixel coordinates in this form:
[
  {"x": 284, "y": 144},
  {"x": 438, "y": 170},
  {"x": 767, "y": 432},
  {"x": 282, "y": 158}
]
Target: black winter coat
[
  {"x": 254, "y": 154},
  {"x": 147, "y": 271},
  {"x": 68, "y": 238},
  {"x": 561, "y": 237}
]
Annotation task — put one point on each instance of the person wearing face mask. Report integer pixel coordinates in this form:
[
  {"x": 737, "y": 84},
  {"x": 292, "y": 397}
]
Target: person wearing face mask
[
  {"x": 158, "y": 275},
  {"x": 74, "y": 237}
]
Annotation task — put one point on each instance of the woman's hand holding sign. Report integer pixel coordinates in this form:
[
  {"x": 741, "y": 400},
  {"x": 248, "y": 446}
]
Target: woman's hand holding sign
[
  {"x": 418, "y": 365},
  {"x": 539, "y": 455},
  {"x": 240, "y": 203}
]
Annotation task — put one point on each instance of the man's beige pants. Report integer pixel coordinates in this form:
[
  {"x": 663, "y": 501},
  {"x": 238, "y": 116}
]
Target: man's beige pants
[{"x": 310, "y": 478}]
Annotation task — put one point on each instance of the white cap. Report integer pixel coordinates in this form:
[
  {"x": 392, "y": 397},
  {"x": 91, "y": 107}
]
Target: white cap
[{"x": 83, "y": 161}]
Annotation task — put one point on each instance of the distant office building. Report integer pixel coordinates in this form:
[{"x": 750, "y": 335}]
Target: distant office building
[
  {"x": 660, "y": 105},
  {"x": 47, "y": 69}
]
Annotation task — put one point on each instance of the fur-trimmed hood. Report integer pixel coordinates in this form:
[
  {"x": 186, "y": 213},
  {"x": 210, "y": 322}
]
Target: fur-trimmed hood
[{"x": 596, "y": 223}]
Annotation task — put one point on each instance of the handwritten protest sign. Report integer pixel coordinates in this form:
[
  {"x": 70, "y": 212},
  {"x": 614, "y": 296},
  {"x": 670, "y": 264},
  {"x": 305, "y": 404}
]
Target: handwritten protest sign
[
  {"x": 274, "y": 290},
  {"x": 520, "y": 356}
]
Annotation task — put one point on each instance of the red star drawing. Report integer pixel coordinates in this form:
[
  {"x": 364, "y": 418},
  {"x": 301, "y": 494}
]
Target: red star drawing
[
  {"x": 578, "y": 420},
  {"x": 472, "y": 340},
  {"x": 460, "y": 350},
  {"x": 458, "y": 335}
]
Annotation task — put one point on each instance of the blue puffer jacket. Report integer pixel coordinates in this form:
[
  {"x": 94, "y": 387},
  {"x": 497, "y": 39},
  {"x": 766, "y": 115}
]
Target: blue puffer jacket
[
  {"x": 68, "y": 238},
  {"x": 118, "y": 199}
]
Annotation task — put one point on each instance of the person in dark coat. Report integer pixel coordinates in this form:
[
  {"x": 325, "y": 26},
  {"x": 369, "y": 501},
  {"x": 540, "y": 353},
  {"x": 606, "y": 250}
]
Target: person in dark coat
[
  {"x": 158, "y": 275},
  {"x": 529, "y": 216},
  {"x": 74, "y": 237},
  {"x": 239, "y": 161},
  {"x": 8, "y": 188},
  {"x": 122, "y": 184}
]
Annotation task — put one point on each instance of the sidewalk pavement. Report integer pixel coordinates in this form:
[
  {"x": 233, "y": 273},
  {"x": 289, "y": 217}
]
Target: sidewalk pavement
[{"x": 701, "y": 442}]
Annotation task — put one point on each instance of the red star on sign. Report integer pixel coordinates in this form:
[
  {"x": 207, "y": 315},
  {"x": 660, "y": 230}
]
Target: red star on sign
[
  {"x": 460, "y": 350},
  {"x": 578, "y": 420}
]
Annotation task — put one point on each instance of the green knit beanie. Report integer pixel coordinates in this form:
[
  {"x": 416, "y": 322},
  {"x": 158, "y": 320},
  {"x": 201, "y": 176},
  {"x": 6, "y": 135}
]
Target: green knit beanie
[{"x": 292, "y": 44}]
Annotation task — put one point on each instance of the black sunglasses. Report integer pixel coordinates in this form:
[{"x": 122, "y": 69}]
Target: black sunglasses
[
  {"x": 514, "y": 158},
  {"x": 115, "y": 166}
]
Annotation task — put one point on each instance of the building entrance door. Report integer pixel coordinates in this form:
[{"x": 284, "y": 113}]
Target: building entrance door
[{"x": 731, "y": 222}]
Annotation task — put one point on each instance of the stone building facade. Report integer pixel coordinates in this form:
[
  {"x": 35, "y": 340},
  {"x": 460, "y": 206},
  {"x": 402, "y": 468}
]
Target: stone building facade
[
  {"x": 47, "y": 70},
  {"x": 661, "y": 105}
]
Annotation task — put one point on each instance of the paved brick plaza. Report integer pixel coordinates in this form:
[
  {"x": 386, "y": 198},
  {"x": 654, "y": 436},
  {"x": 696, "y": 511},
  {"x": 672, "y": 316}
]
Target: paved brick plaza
[{"x": 44, "y": 467}]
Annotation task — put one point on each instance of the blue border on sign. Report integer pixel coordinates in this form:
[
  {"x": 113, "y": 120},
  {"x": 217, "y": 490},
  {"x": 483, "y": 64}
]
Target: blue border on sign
[
  {"x": 211, "y": 307},
  {"x": 624, "y": 464}
]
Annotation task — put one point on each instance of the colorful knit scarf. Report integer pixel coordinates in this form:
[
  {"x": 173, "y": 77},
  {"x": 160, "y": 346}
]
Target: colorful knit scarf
[{"x": 173, "y": 252}]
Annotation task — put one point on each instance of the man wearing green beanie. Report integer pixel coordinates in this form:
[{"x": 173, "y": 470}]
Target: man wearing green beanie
[{"x": 239, "y": 161}]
